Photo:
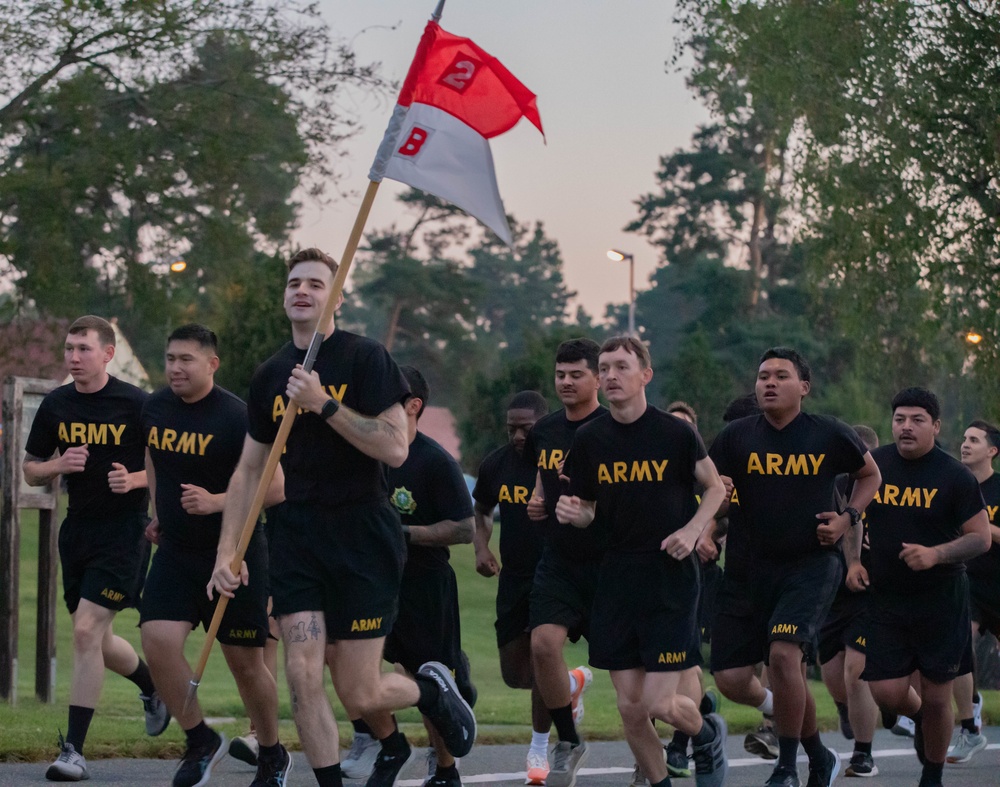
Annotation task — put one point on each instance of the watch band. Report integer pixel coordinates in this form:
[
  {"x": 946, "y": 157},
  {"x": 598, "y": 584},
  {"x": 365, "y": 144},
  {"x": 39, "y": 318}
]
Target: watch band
[{"x": 330, "y": 406}]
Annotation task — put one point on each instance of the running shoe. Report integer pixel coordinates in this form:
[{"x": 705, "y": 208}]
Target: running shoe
[
  {"x": 245, "y": 748},
  {"x": 360, "y": 760},
  {"x": 762, "y": 742},
  {"x": 861, "y": 764},
  {"x": 70, "y": 766},
  {"x": 451, "y": 715},
  {"x": 156, "y": 713},
  {"x": 584, "y": 677},
  {"x": 389, "y": 766},
  {"x": 567, "y": 759},
  {"x": 966, "y": 747},
  {"x": 196, "y": 765},
  {"x": 273, "y": 773},
  {"x": 537, "y": 768},
  {"x": 823, "y": 774},
  {"x": 678, "y": 764},
  {"x": 710, "y": 764}
]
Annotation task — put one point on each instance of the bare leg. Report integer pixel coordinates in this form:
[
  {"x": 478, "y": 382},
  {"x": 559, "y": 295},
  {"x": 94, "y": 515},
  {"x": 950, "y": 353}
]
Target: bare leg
[
  {"x": 163, "y": 644},
  {"x": 789, "y": 688},
  {"x": 91, "y": 632},
  {"x": 257, "y": 689},
  {"x": 937, "y": 719},
  {"x": 551, "y": 673},
  {"x": 861, "y": 705}
]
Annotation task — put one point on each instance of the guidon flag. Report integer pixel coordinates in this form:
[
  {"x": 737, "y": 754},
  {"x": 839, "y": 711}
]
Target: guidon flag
[{"x": 455, "y": 98}]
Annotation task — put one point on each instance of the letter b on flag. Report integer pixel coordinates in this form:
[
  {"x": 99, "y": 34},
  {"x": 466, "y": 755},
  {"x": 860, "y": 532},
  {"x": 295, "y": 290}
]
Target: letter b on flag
[{"x": 414, "y": 142}]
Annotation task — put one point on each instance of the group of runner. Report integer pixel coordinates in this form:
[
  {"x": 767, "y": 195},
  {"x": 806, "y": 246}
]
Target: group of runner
[{"x": 612, "y": 519}]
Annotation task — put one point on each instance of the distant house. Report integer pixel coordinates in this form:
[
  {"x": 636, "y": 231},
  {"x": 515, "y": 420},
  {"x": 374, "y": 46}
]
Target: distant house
[{"x": 439, "y": 424}]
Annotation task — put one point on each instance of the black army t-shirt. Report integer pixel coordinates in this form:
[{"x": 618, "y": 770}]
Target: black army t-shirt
[
  {"x": 108, "y": 423},
  {"x": 785, "y": 477},
  {"x": 198, "y": 443},
  {"x": 641, "y": 476},
  {"x": 548, "y": 445},
  {"x": 987, "y": 566},
  {"x": 320, "y": 465},
  {"x": 921, "y": 501},
  {"x": 507, "y": 477},
  {"x": 428, "y": 488}
]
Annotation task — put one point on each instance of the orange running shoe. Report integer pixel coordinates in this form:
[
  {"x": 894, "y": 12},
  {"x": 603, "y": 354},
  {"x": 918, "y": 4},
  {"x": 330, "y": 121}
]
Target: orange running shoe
[{"x": 584, "y": 677}]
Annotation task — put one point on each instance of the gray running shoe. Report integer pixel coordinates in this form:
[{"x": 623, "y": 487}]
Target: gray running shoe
[
  {"x": 966, "y": 747},
  {"x": 904, "y": 727},
  {"x": 710, "y": 763},
  {"x": 157, "y": 715},
  {"x": 69, "y": 765},
  {"x": 360, "y": 760},
  {"x": 566, "y": 761},
  {"x": 762, "y": 742},
  {"x": 638, "y": 778}
]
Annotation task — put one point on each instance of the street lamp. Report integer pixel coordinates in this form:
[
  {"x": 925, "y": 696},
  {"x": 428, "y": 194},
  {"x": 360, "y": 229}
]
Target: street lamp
[
  {"x": 973, "y": 337},
  {"x": 177, "y": 266},
  {"x": 621, "y": 256}
]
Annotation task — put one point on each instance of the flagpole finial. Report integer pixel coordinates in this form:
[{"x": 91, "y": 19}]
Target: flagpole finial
[{"x": 436, "y": 16}]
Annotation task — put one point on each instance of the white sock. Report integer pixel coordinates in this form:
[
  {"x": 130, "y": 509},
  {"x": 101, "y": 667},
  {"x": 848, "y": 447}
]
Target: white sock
[
  {"x": 572, "y": 683},
  {"x": 767, "y": 706},
  {"x": 539, "y": 742}
]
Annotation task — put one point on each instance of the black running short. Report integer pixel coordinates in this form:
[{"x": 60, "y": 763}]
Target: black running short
[
  {"x": 104, "y": 562},
  {"x": 795, "y": 597},
  {"x": 427, "y": 627},
  {"x": 926, "y": 630},
  {"x": 346, "y": 563},
  {"x": 711, "y": 578},
  {"x": 175, "y": 590},
  {"x": 513, "y": 606},
  {"x": 738, "y": 635},
  {"x": 844, "y": 626},
  {"x": 646, "y": 614},
  {"x": 563, "y": 592},
  {"x": 984, "y": 604}
]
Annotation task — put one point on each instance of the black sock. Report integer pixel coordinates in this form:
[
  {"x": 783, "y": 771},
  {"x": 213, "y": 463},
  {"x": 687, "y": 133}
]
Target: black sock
[
  {"x": 563, "y": 719},
  {"x": 394, "y": 743},
  {"x": 361, "y": 727},
  {"x": 705, "y": 706},
  {"x": 269, "y": 753},
  {"x": 143, "y": 679},
  {"x": 705, "y": 734},
  {"x": 429, "y": 693},
  {"x": 447, "y": 771},
  {"x": 199, "y": 735},
  {"x": 330, "y": 776},
  {"x": 79, "y": 723},
  {"x": 932, "y": 773},
  {"x": 664, "y": 783},
  {"x": 864, "y": 748},
  {"x": 841, "y": 709},
  {"x": 788, "y": 750},
  {"x": 969, "y": 725},
  {"x": 815, "y": 750},
  {"x": 680, "y": 740}
]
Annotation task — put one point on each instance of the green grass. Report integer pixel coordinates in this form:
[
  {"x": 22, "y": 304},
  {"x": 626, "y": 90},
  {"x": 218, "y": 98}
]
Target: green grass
[{"x": 30, "y": 727}]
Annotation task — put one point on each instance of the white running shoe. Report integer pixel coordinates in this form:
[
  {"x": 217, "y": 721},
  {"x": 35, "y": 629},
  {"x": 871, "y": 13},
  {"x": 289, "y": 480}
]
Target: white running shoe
[{"x": 69, "y": 765}]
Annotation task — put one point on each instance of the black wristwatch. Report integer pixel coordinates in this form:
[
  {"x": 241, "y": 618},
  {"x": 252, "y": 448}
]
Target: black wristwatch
[
  {"x": 330, "y": 406},
  {"x": 854, "y": 514}
]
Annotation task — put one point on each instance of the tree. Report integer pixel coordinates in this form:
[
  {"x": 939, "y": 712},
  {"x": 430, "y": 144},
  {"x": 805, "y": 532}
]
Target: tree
[{"x": 138, "y": 131}]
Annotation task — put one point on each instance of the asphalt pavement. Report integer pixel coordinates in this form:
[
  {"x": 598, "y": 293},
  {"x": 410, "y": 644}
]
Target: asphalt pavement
[{"x": 608, "y": 765}]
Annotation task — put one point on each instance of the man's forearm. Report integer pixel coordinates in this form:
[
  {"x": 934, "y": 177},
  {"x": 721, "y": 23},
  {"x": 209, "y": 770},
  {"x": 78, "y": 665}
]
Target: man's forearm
[
  {"x": 484, "y": 529},
  {"x": 852, "y": 544},
  {"x": 378, "y": 437},
  {"x": 445, "y": 533},
  {"x": 963, "y": 548},
  {"x": 38, "y": 472}
]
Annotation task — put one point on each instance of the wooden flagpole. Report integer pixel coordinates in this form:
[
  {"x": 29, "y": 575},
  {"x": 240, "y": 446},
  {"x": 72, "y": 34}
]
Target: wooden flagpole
[{"x": 283, "y": 430}]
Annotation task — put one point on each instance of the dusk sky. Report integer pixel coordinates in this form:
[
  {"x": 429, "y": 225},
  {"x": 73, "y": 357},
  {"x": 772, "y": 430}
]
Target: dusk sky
[{"x": 609, "y": 106}]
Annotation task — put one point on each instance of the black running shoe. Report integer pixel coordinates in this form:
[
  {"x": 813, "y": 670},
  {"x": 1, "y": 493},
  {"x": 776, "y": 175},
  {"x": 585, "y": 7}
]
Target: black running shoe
[
  {"x": 783, "y": 777},
  {"x": 273, "y": 773},
  {"x": 451, "y": 715},
  {"x": 196, "y": 765},
  {"x": 389, "y": 766},
  {"x": 823, "y": 773}
]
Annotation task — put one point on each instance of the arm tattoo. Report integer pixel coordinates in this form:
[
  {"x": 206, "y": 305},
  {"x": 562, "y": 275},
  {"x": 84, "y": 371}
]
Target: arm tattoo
[
  {"x": 962, "y": 548},
  {"x": 852, "y": 543}
]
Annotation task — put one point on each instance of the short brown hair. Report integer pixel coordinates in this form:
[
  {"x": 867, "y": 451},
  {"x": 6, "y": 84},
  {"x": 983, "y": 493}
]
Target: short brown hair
[
  {"x": 313, "y": 254},
  {"x": 631, "y": 345},
  {"x": 104, "y": 330},
  {"x": 683, "y": 407}
]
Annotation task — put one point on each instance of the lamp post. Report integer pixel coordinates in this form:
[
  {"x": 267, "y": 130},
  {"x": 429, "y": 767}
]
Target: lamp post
[{"x": 620, "y": 256}]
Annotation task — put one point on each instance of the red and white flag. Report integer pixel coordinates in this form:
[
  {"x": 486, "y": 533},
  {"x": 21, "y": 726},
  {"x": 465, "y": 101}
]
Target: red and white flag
[{"x": 455, "y": 98}]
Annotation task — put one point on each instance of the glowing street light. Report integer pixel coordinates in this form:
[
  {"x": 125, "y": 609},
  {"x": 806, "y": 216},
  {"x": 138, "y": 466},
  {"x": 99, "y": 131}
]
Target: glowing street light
[
  {"x": 621, "y": 256},
  {"x": 973, "y": 337},
  {"x": 177, "y": 266}
]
